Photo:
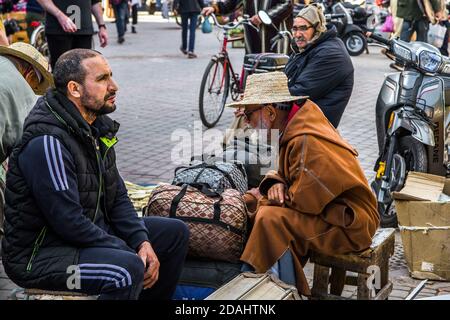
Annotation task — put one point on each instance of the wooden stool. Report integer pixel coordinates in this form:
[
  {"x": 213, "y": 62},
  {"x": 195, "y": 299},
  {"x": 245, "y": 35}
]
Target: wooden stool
[
  {"x": 377, "y": 255},
  {"x": 37, "y": 294}
]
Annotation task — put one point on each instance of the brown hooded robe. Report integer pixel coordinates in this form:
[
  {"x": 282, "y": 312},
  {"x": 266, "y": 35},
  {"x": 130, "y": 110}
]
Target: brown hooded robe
[{"x": 330, "y": 209}]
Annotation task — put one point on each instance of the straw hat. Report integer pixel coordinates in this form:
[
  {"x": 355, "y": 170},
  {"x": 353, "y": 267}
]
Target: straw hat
[
  {"x": 28, "y": 53},
  {"x": 265, "y": 88}
]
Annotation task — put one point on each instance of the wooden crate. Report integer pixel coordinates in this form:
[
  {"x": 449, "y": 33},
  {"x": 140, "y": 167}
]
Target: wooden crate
[{"x": 252, "y": 286}]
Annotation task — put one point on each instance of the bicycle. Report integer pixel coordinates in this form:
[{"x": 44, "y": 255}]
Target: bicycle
[
  {"x": 38, "y": 39},
  {"x": 216, "y": 80}
]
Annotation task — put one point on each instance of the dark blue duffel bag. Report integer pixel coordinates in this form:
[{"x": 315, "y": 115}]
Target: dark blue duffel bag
[{"x": 200, "y": 278}]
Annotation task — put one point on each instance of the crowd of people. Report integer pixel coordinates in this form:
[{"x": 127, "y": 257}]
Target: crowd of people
[
  {"x": 413, "y": 17},
  {"x": 66, "y": 203}
]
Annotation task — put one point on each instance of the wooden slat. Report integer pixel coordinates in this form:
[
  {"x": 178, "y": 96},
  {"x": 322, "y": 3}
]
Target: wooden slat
[
  {"x": 55, "y": 293},
  {"x": 237, "y": 287},
  {"x": 383, "y": 241},
  {"x": 384, "y": 293},
  {"x": 39, "y": 294},
  {"x": 251, "y": 286}
]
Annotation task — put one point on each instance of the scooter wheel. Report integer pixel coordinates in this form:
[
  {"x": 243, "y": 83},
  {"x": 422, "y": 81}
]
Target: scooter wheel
[{"x": 355, "y": 43}]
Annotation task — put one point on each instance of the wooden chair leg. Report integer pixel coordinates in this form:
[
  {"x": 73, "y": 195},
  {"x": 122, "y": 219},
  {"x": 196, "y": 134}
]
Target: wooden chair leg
[
  {"x": 337, "y": 281},
  {"x": 384, "y": 276},
  {"x": 320, "y": 281},
  {"x": 363, "y": 291}
]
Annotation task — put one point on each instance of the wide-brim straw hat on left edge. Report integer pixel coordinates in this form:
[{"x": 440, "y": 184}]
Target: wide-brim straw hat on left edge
[
  {"x": 30, "y": 54},
  {"x": 266, "y": 88}
]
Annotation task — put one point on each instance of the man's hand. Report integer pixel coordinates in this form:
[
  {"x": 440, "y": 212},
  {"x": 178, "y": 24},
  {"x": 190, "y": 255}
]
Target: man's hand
[
  {"x": 276, "y": 194},
  {"x": 239, "y": 112},
  {"x": 207, "y": 11},
  {"x": 255, "y": 192},
  {"x": 103, "y": 37},
  {"x": 66, "y": 23},
  {"x": 255, "y": 20},
  {"x": 3, "y": 38},
  {"x": 440, "y": 16},
  {"x": 151, "y": 263}
]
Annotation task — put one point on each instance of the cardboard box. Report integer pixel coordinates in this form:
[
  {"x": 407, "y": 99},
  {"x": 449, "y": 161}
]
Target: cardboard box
[{"x": 424, "y": 224}]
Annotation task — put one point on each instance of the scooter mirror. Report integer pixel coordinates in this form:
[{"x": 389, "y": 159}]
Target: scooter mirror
[
  {"x": 264, "y": 17},
  {"x": 372, "y": 22}
]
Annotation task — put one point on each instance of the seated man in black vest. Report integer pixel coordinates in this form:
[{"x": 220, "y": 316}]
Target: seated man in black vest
[{"x": 69, "y": 223}]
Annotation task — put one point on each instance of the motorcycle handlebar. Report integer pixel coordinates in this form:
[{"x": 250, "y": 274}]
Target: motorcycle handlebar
[
  {"x": 276, "y": 38},
  {"x": 380, "y": 39},
  {"x": 335, "y": 16}
]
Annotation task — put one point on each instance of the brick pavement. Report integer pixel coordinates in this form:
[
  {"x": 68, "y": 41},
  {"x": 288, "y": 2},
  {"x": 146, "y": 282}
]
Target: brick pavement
[{"x": 159, "y": 93}]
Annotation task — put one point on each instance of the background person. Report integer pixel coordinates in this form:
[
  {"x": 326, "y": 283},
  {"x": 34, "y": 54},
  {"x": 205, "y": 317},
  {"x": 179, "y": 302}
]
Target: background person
[
  {"x": 61, "y": 31},
  {"x": 257, "y": 42},
  {"x": 189, "y": 11}
]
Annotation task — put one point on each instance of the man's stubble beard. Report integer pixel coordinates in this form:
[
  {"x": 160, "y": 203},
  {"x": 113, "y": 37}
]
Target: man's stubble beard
[{"x": 97, "y": 108}]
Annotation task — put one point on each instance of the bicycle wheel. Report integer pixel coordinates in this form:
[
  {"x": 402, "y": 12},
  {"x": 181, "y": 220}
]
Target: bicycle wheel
[{"x": 213, "y": 92}]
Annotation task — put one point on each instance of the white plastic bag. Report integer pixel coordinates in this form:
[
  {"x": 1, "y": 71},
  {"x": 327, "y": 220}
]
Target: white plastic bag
[{"x": 436, "y": 35}]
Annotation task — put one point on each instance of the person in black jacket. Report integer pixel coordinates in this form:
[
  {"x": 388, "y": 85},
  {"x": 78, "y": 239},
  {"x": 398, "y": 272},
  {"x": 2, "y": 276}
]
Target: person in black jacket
[
  {"x": 257, "y": 42},
  {"x": 69, "y": 223},
  {"x": 68, "y": 25},
  {"x": 189, "y": 10},
  {"x": 322, "y": 69}
]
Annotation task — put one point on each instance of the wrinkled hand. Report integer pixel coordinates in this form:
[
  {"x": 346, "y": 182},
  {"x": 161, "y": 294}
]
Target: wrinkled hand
[
  {"x": 277, "y": 194},
  {"x": 207, "y": 11},
  {"x": 255, "y": 20},
  {"x": 67, "y": 24},
  {"x": 151, "y": 263},
  {"x": 103, "y": 37}
]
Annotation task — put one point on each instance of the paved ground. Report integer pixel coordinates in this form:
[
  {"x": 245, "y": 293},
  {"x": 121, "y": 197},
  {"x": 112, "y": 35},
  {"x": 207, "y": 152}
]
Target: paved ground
[{"x": 159, "y": 94}]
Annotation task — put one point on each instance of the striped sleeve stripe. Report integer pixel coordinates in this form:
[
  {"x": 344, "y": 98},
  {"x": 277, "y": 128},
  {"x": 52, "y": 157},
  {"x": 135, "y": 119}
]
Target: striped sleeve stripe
[
  {"x": 55, "y": 163},
  {"x": 105, "y": 267},
  {"x": 63, "y": 168},
  {"x": 102, "y": 278},
  {"x": 119, "y": 277},
  {"x": 49, "y": 164}
]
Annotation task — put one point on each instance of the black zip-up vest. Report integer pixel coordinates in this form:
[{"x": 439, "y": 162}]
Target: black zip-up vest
[{"x": 33, "y": 255}]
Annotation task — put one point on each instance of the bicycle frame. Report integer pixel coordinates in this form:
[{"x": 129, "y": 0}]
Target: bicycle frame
[
  {"x": 228, "y": 66},
  {"x": 227, "y": 63}
]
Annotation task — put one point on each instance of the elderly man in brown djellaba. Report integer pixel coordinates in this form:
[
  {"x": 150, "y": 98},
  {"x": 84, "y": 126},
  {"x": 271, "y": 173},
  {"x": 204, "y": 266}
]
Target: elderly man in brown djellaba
[{"x": 319, "y": 199}]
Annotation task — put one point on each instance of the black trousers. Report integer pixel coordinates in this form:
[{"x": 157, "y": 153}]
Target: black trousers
[
  {"x": 118, "y": 274},
  {"x": 59, "y": 44},
  {"x": 134, "y": 14}
]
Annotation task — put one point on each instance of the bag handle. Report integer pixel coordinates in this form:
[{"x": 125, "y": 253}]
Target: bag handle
[
  {"x": 203, "y": 188},
  {"x": 204, "y": 166},
  {"x": 176, "y": 201},
  {"x": 200, "y": 165},
  {"x": 217, "y": 211}
]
